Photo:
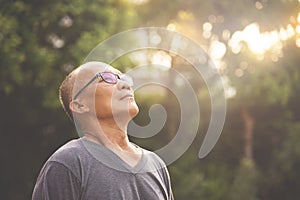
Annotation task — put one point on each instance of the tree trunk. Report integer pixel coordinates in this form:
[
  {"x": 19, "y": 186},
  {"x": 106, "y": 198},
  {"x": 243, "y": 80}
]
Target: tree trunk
[{"x": 248, "y": 132}]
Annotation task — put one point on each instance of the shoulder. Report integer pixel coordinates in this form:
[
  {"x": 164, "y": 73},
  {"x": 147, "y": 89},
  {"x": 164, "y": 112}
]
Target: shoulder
[
  {"x": 153, "y": 162},
  {"x": 68, "y": 158},
  {"x": 156, "y": 164},
  {"x": 154, "y": 157},
  {"x": 69, "y": 155},
  {"x": 56, "y": 181}
]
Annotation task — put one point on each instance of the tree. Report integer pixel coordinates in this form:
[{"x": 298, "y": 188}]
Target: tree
[
  {"x": 245, "y": 183},
  {"x": 40, "y": 42},
  {"x": 262, "y": 83}
]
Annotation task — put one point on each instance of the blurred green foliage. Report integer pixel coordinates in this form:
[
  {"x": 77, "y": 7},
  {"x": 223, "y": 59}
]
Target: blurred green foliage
[{"x": 41, "y": 41}]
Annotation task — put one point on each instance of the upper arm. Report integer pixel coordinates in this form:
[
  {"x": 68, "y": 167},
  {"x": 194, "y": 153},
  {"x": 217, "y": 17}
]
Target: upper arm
[{"x": 56, "y": 182}]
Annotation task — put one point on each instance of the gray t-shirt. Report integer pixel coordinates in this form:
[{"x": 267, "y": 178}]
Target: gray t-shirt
[{"x": 85, "y": 170}]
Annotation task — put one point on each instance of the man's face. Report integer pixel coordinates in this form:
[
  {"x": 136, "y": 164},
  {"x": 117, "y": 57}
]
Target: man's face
[
  {"x": 110, "y": 100},
  {"x": 115, "y": 100}
]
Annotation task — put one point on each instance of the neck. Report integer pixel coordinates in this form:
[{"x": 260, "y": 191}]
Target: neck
[
  {"x": 113, "y": 136},
  {"x": 109, "y": 133}
]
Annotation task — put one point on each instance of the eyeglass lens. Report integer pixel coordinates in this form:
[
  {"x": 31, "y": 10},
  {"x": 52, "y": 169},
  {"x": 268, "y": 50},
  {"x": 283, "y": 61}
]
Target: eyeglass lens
[
  {"x": 113, "y": 78},
  {"x": 109, "y": 77}
]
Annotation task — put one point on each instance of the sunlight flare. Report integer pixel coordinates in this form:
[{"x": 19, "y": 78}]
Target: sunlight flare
[{"x": 260, "y": 42}]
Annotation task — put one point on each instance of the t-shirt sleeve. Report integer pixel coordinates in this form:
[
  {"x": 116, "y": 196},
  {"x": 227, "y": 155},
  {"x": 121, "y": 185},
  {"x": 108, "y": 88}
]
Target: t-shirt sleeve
[
  {"x": 168, "y": 183},
  {"x": 166, "y": 177},
  {"x": 56, "y": 182}
]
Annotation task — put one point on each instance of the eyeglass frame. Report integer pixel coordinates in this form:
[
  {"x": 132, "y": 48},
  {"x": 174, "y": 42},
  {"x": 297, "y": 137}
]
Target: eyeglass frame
[{"x": 100, "y": 75}]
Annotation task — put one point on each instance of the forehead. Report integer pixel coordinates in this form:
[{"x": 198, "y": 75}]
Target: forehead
[
  {"x": 89, "y": 70},
  {"x": 113, "y": 70}
]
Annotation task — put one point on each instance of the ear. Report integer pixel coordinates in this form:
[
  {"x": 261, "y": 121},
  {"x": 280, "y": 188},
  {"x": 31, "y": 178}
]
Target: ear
[{"x": 77, "y": 107}]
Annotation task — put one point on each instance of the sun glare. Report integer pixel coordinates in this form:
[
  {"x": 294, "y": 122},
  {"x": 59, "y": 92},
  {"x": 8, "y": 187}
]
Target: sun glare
[
  {"x": 162, "y": 59},
  {"x": 138, "y": 2},
  {"x": 260, "y": 42},
  {"x": 217, "y": 50},
  {"x": 256, "y": 41}
]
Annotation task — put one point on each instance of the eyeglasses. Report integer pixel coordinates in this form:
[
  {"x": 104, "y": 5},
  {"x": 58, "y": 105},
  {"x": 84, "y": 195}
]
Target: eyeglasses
[{"x": 107, "y": 77}]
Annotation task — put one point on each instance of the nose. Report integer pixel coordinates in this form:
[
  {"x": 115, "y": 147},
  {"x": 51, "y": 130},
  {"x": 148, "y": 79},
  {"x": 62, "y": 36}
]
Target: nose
[{"x": 123, "y": 85}]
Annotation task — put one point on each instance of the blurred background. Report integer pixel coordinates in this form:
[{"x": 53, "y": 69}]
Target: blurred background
[{"x": 255, "y": 45}]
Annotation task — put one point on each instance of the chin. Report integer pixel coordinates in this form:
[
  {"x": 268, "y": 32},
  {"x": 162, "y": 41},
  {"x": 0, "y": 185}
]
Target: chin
[
  {"x": 134, "y": 111},
  {"x": 126, "y": 112}
]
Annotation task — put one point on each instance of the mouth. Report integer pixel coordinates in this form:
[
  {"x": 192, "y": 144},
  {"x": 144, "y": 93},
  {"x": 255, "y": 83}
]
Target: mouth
[{"x": 127, "y": 96}]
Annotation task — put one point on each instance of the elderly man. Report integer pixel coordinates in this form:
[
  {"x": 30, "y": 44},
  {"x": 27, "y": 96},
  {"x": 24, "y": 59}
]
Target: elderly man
[{"x": 103, "y": 163}]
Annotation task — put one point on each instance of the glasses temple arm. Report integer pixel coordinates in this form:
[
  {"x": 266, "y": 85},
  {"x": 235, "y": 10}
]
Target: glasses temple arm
[{"x": 87, "y": 84}]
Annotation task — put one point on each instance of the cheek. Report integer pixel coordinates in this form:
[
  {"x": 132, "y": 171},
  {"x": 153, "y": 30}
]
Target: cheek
[{"x": 103, "y": 100}]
